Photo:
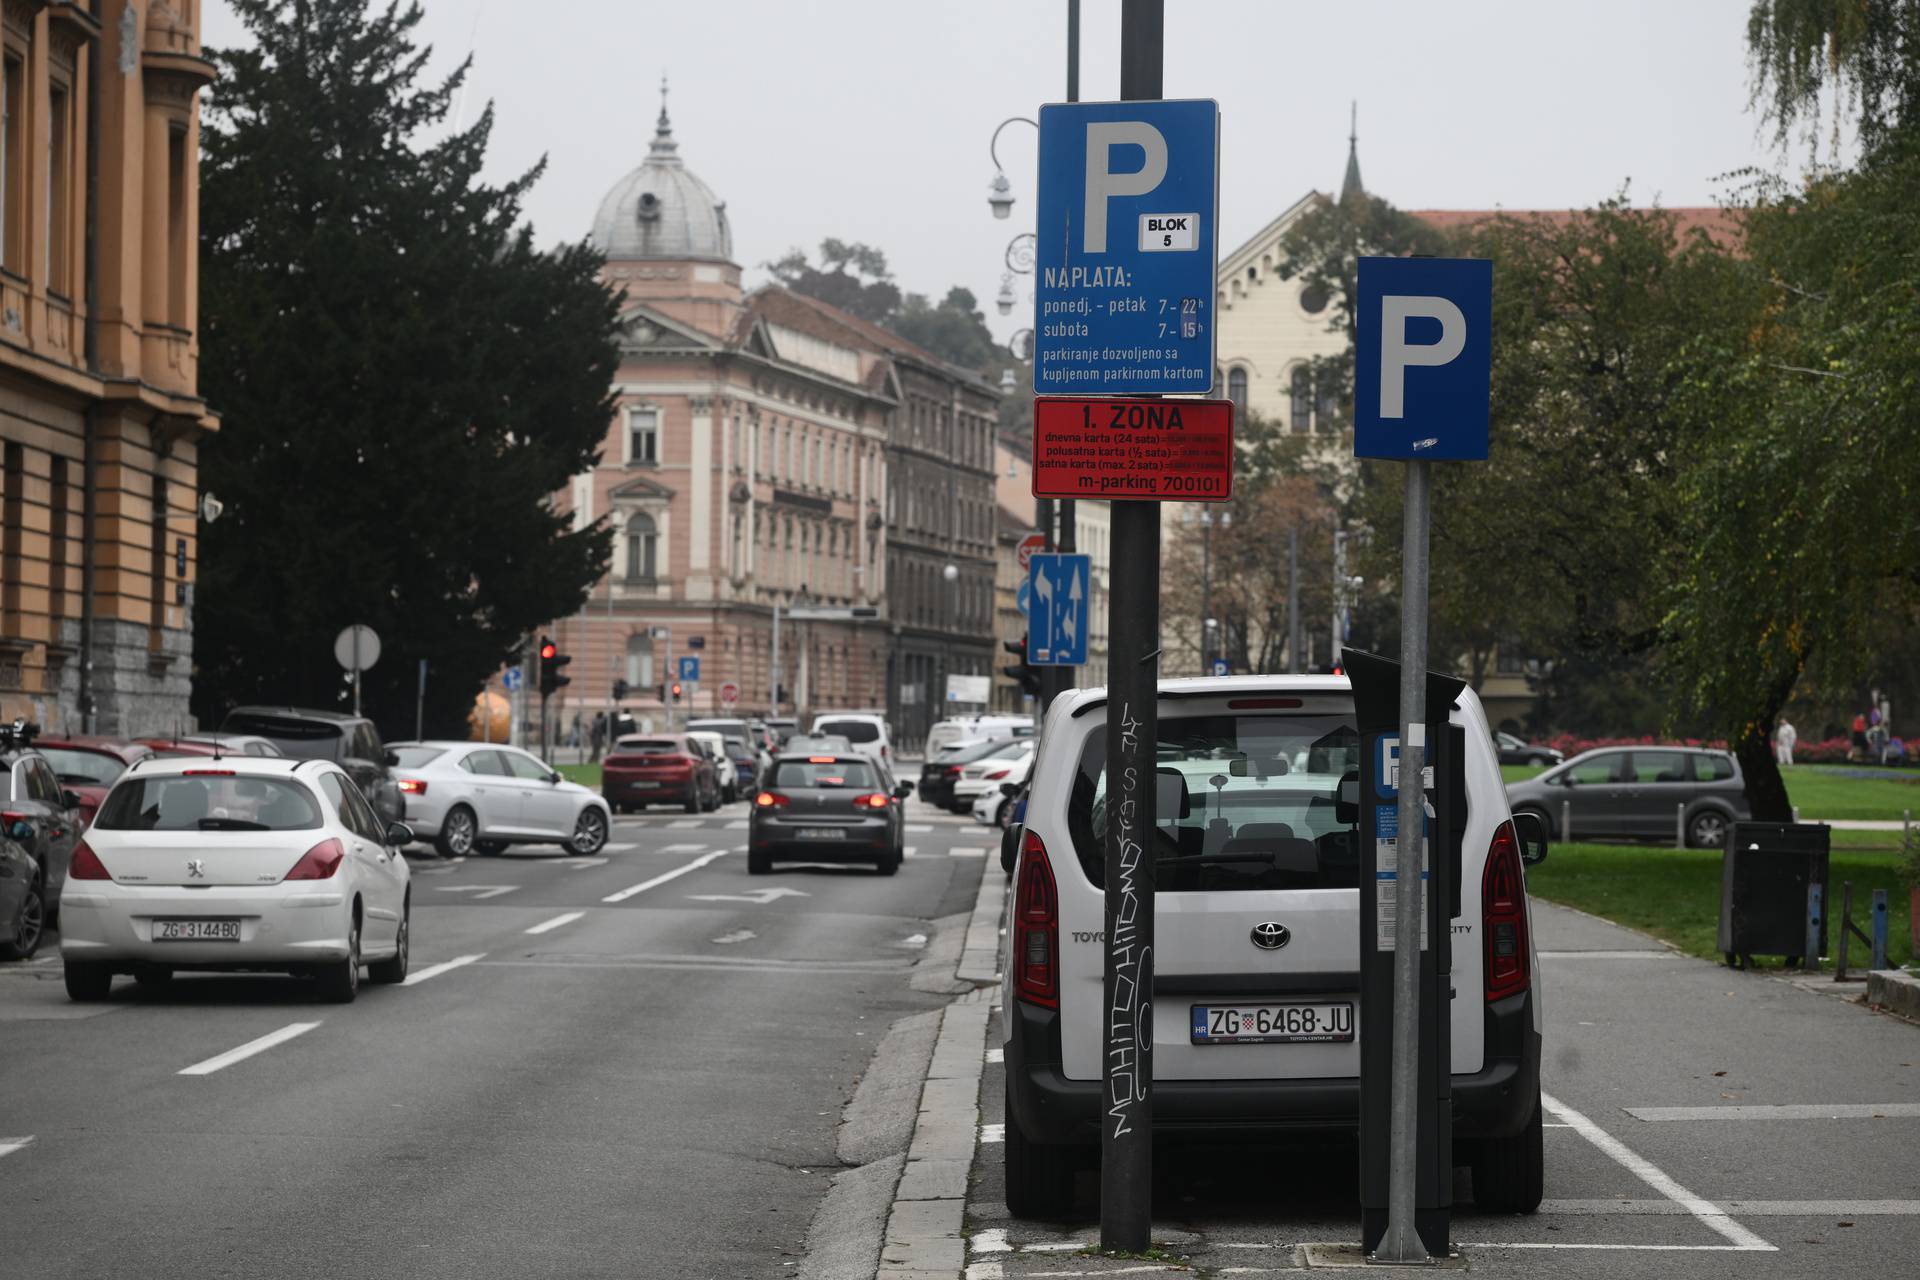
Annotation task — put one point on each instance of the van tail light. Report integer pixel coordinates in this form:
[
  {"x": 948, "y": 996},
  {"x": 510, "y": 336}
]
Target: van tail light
[
  {"x": 1036, "y": 928},
  {"x": 86, "y": 864},
  {"x": 771, "y": 800},
  {"x": 1503, "y": 911},
  {"x": 878, "y": 800},
  {"x": 319, "y": 862},
  {"x": 413, "y": 786}
]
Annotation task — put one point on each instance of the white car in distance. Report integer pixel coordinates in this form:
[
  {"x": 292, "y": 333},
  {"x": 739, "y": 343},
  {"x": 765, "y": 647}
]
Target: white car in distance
[
  {"x": 986, "y": 775},
  {"x": 994, "y": 806},
  {"x": 477, "y": 797},
  {"x": 241, "y": 863},
  {"x": 729, "y": 774}
]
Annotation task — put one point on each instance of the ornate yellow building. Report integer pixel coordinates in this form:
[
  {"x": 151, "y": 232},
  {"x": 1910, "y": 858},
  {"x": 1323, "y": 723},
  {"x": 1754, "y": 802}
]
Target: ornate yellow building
[{"x": 100, "y": 416}]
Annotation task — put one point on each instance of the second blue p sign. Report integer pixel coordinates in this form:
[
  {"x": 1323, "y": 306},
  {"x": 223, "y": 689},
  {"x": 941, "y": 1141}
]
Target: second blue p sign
[{"x": 1423, "y": 358}]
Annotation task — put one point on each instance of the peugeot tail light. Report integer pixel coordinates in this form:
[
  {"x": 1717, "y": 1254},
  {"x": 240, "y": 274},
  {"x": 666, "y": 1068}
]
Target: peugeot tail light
[
  {"x": 319, "y": 862},
  {"x": 86, "y": 864}
]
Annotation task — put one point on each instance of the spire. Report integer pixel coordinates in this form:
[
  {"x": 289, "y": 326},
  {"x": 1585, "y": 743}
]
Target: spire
[
  {"x": 1350, "y": 185},
  {"x": 664, "y": 146}
]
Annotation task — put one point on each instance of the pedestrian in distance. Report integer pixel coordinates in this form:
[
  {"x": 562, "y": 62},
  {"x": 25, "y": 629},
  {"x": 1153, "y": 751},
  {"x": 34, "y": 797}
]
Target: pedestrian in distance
[
  {"x": 573, "y": 734},
  {"x": 1783, "y": 739},
  {"x": 1860, "y": 736},
  {"x": 599, "y": 732}
]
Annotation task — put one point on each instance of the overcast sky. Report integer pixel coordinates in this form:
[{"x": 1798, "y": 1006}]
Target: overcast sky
[{"x": 869, "y": 119}]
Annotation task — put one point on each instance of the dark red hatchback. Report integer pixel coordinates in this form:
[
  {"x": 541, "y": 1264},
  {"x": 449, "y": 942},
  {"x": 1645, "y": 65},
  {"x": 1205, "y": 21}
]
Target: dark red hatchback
[
  {"x": 660, "y": 768},
  {"x": 89, "y": 765}
]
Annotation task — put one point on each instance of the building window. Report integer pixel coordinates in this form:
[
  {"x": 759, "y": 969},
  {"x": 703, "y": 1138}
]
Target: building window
[
  {"x": 59, "y": 200},
  {"x": 639, "y": 660},
  {"x": 57, "y": 548},
  {"x": 642, "y": 545},
  {"x": 1302, "y": 416},
  {"x": 1237, "y": 388},
  {"x": 1325, "y": 408},
  {"x": 157, "y": 578},
  {"x": 643, "y": 437},
  {"x": 12, "y": 534},
  {"x": 13, "y": 163},
  {"x": 178, "y": 250}
]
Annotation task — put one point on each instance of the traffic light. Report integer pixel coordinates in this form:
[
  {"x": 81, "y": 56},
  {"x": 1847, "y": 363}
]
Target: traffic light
[
  {"x": 551, "y": 660},
  {"x": 620, "y": 690},
  {"x": 676, "y": 691},
  {"x": 1028, "y": 676}
]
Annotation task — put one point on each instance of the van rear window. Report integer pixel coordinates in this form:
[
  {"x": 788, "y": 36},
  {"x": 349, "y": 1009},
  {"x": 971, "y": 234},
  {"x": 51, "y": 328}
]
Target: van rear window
[
  {"x": 851, "y": 730},
  {"x": 1242, "y": 802}
]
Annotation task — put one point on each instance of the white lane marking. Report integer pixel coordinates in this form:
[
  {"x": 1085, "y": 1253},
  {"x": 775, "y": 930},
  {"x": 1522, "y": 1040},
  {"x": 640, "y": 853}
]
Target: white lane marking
[
  {"x": 738, "y": 935},
  {"x": 682, "y": 848},
  {"x": 1710, "y": 1215},
  {"x": 966, "y": 853},
  {"x": 10, "y": 1145},
  {"x": 918, "y": 829},
  {"x": 1789, "y": 1111},
  {"x": 1623, "y": 1248},
  {"x": 909, "y": 851},
  {"x": 221, "y": 1062},
  {"x": 990, "y": 1240},
  {"x": 738, "y": 824},
  {"x": 915, "y": 940},
  {"x": 1743, "y": 1208},
  {"x": 992, "y": 1133},
  {"x": 479, "y": 891},
  {"x": 581, "y": 864},
  {"x": 623, "y": 847},
  {"x": 1647, "y": 954},
  {"x": 546, "y": 926},
  {"x": 659, "y": 880},
  {"x": 685, "y": 824},
  {"x": 996, "y": 1055},
  {"x": 758, "y": 897},
  {"x": 435, "y": 970}
]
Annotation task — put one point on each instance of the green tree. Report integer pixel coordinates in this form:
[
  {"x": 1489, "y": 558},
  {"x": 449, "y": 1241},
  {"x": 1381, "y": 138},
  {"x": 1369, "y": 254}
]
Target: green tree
[
  {"x": 406, "y": 381},
  {"x": 851, "y": 276},
  {"x": 1863, "y": 54},
  {"x": 955, "y": 330}
]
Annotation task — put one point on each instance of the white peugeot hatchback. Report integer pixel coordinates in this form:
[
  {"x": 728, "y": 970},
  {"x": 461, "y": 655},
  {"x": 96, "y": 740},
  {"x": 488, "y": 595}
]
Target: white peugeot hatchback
[
  {"x": 236, "y": 863},
  {"x": 1251, "y": 771}
]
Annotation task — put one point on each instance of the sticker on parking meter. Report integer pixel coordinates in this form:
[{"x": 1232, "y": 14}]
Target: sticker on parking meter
[{"x": 1386, "y": 877}]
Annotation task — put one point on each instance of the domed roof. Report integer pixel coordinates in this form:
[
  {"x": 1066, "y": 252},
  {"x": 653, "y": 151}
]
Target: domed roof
[{"x": 661, "y": 210}]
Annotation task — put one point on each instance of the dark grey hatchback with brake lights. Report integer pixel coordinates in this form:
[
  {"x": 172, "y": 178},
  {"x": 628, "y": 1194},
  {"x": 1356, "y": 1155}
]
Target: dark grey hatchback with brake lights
[
  {"x": 827, "y": 808},
  {"x": 1638, "y": 792}
]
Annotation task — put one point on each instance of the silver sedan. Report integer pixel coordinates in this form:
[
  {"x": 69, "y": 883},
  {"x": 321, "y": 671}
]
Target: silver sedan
[{"x": 470, "y": 797}]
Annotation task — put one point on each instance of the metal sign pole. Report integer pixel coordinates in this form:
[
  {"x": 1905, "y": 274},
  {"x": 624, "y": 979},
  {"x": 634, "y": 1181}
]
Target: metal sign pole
[
  {"x": 1402, "y": 1242},
  {"x": 1133, "y": 628}
]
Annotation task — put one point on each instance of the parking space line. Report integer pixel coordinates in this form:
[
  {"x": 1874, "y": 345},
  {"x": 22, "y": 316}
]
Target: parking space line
[
  {"x": 683, "y": 824},
  {"x": 547, "y": 925},
  {"x": 1710, "y": 1215},
  {"x": 10, "y": 1145},
  {"x": 622, "y": 847},
  {"x": 991, "y": 1133},
  {"x": 659, "y": 880},
  {"x": 435, "y": 970},
  {"x": 220, "y": 1062},
  {"x": 966, "y": 853},
  {"x": 1789, "y": 1111},
  {"x": 682, "y": 848},
  {"x": 1743, "y": 1208},
  {"x": 1646, "y": 953}
]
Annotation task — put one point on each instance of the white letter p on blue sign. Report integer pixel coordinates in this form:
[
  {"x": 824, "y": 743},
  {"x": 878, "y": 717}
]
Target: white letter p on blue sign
[{"x": 1423, "y": 351}]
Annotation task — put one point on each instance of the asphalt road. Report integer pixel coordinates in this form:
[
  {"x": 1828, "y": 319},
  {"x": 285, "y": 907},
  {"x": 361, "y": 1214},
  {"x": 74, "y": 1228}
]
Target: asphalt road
[
  {"x": 1703, "y": 1122},
  {"x": 632, "y": 1088}
]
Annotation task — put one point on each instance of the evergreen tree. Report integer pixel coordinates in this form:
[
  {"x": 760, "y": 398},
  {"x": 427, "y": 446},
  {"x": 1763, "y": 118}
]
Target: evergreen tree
[{"x": 405, "y": 381}]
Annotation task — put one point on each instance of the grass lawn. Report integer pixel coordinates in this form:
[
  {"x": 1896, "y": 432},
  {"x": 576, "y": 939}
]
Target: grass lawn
[
  {"x": 587, "y": 775},
  {"x": 1675, "y": 894},
  {"x": 1824, "y": 791}
]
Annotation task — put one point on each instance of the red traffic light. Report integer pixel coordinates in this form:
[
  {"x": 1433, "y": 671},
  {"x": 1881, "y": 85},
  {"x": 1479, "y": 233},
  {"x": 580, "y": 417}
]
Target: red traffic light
[
  {"x": 676, "y": 690},
  {"x": 547, "y": 651}
]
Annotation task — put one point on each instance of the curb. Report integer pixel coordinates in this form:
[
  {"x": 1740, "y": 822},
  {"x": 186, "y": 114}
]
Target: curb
[
  {"x": 925, "y": 1236},
  {"x": 980, "y": 956}
]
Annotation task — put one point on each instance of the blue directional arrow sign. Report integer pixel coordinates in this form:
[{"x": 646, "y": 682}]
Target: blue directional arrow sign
[
  {"x": 690, "y": 670},
  {"x": 1023, "y": 598},
  {"x": 1057, "y": 620},
  {"x": 510, "y": 679}
]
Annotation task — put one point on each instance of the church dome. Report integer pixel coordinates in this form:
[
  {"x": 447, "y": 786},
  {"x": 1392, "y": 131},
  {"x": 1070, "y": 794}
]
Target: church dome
[{"x": 661, "y": 210}]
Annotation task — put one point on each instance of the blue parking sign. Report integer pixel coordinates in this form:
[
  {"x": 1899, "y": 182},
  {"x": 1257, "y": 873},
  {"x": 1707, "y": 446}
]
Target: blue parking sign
[
  {"x": 1423, "y": 353},
  {"x": 1126, "y": 248},
  {"x": 690, "y": 670}
]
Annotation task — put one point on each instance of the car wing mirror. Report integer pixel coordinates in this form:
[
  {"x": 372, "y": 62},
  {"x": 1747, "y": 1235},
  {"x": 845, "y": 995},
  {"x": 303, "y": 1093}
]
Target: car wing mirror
[
  {"x": 71, "y": 799},
  {"x": 1346, "y": 800},
  {"x": 1531, "y": 831},
  {"x": 399, "y": 835},
  {"x": 20, "y": 829},
  {"x": 556, "y": 776},
  {"x": 392, "y": 759},
  {"x": 901, "y": 790}
]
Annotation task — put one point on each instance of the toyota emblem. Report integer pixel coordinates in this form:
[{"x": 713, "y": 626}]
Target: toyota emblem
[
  {"x": 197, "y": 867},
  {"x": 1269, "y": 936}
]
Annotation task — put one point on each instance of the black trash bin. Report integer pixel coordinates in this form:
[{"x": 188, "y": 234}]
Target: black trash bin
[{"x": 1764, "y": 873}]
